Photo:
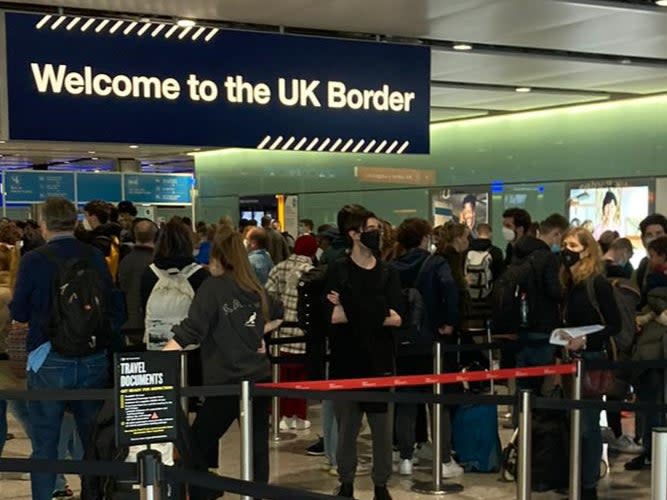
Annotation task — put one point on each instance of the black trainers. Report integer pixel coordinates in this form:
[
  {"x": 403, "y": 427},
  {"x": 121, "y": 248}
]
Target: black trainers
[
  {"x": 345, "y": 490},
  {"x": 382, "y": 493},
  {"x": 640, "y": 462},
  {"x": 316, "y": 449},
  {"x": 589, "y": 494}
]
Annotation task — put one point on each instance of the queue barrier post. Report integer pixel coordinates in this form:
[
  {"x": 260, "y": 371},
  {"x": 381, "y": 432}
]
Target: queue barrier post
[
  {"x": 184, "y": 380},
  {"x": 150, "y": 474},
  {"x": 435, "y": 486},
  {"x": 245, "y": 420},
  {"x": 659, "y": 464},
  {"x": 575, "y": 435},
  {"x": 276, "y": 435},
  {"x": 524, "y": 483}
]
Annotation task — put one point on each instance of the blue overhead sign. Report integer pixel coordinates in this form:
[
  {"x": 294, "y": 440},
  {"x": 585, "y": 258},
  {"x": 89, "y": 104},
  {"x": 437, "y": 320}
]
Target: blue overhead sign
[
  {"x": 102, "y": 80},
  {"x": 98, "y": 186},
  {"x": 35, "y": 187},
  {"x": 158, "y": 189}
]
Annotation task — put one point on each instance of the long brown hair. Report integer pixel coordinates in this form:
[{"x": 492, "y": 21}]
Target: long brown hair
[
  {"x": 589, "y": 266},
  {"x": 449, "y": 232},
  {"x": 228, "y": 251}
]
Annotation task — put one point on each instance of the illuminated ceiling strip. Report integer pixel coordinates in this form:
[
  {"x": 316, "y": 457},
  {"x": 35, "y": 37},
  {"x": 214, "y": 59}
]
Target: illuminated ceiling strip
[
  {"x": 143, "y": 29},
  {"x": 324, "y": 144},
  {"x": 276, "y": 142},
  {"x": 300, "y": 144},
  {"x": 347, "y": 146},
  {"x": 369, "y": 146},
  {"x": 312, "y": 144},
  {"x": 43, "y": 21},
  {"x": 129, "y": 29},
  {"x": 403, "y": 147},
  {"x": 391, "y": 148},
  {"x": 171, "y": 31},
  {"x": 198, "y": 33},
  {"x": 88, "y": 24},
  {"x": 335, "y": 145},
  {"x": 381, "y": 147},
  {"x": 211, "y": 34},
  {"x": 264, "y": 142},
  {"x": 288, "y": 143},
  {"x": 185, "y": 31},
  {"x": 58, "y": 22},
  {"x": 73, "y": 23},
  {"x": 358, "y": 146},
  {"x": 101, "y": 26},
  {"x": 157, "y": 30},
  {"x": 116, "y": 26}
]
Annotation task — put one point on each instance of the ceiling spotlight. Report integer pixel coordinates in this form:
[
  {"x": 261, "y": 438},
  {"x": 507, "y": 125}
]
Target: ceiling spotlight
[
  {"x": 629, "y": 61},
  {"x": 91, "y": 152},
  {"x": 133, "y": 146},
  {"x": 661, "y": 3},
  {"x": 462, "y": 46},
  {"x": 2, "y": 142},
  {"x": 94, "y": 158},
  {"x": 186, "y": 23},
  {"x": 523, "y": 90}
]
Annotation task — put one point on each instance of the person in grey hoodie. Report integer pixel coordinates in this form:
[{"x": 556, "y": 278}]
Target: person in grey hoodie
[{"x": 228, "y": 318}]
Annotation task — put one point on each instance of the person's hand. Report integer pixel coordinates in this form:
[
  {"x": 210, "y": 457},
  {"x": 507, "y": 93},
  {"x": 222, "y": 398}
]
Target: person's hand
[
  {"x": 446, "y": 330},
  {"x": 334, "y": 298},
  {"x": 262, "y": 348},
  {"x": 576, "y": 344}
]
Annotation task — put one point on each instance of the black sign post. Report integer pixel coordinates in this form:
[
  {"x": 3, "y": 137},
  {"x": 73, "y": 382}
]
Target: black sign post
[{"x": 147, "y": 397}]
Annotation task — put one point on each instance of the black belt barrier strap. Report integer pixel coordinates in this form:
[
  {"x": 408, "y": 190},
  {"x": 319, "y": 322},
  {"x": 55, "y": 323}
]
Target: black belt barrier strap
[
  {"x": 58, "y": 395},
  {"x": 120, "y": 470}
]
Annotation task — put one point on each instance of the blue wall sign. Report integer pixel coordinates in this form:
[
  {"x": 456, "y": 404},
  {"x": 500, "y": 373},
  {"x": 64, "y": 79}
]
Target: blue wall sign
[
  {"x": 99, "y": 186},
  {"x": 136, "y": 83},
  {"x": 34, "y": 187},
  {"x": 159, "y": 189}
]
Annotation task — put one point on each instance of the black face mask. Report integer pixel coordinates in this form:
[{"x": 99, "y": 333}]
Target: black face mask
[
  {"x": 569, "y": 258},
  {"x": 371, "y": 240}
]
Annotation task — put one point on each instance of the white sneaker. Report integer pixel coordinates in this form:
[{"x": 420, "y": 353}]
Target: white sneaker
[
  {"x": 300, "y": 424},
  {"x": 396, "y": 456},
  {"x": 625, "y": 444},
  {"x": 405, "y": 468},
  {"x": 285, "y": 424},
  {"x": 451, "y": 469}
]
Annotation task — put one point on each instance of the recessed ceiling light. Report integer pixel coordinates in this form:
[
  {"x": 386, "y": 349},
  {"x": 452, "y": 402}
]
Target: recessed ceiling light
[
  {"x": 523, "y": 89},
  {"x": 94, "y": 158},
  {"x": 661, "y": 3},
  {"x": 133, "y": 146},
  {"x": 629, "y": 61},
  {"x": 462, "y": 46},
  {"x": 2, "y": 142},
  {"x": 91, "y": 152},
  {"x": 186, "y": 23}
]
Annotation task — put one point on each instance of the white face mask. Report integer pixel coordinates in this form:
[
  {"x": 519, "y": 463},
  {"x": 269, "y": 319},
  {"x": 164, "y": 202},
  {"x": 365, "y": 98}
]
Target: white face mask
[
  {"x": 508, "y": 234},
  {"x": 86, "y": 225}
]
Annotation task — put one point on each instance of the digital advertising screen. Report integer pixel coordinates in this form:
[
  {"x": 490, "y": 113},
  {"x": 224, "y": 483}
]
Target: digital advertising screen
[
  {"x": 467, "y": 206},
  {"x": 617, "y": 206}
]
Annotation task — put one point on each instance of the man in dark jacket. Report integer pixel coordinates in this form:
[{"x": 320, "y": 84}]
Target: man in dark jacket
[
  {"x": 543, "y": 255},
  {"x": 652, "y": 227},
  {"x": 100, "y": 233},
  {"x": 276, "y": 242},
  {"x": 516, "y": 225}
]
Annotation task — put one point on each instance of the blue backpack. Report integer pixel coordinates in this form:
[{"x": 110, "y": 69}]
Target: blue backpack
[{"x": 475, "y": 438}]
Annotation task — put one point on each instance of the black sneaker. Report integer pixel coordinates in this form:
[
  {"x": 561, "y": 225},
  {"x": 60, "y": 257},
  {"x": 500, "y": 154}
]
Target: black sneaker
[
  {"x": 345, "y": 490},
  {"x": 640, "y": 462},
  {"x": 316, "y": 449},
  {"x": 589, "y": 494},
  {"x": 382, "y": 493}
]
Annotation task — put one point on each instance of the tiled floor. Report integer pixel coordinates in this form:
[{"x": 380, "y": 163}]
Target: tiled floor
[{"x": 291, "y": 467}]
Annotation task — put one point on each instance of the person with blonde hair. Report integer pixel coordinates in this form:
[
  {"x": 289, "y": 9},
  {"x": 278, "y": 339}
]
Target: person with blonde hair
[
  {"x": 589, "y": 300},
  {"x": 228, "y": 318}
]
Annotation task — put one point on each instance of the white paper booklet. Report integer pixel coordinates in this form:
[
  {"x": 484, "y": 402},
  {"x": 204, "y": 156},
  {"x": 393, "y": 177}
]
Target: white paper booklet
[{"x": 561, "y": 336}]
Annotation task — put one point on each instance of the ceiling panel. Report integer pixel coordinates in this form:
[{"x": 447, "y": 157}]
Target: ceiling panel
[
  {"x": 442, "y": 114},
  {"x": 503, "y": 100}
]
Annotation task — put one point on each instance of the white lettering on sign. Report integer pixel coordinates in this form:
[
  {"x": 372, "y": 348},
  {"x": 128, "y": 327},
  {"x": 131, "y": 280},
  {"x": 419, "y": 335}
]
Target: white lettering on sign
[{"x": 235, "y": 89}]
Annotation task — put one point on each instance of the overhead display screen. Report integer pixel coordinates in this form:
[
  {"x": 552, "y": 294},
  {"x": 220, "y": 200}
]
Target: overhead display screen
[{"x": 152, "y": 83}]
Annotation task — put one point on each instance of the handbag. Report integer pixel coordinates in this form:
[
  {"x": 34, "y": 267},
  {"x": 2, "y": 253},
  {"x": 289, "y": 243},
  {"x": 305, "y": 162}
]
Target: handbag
[{"x": 596, "y": 383}]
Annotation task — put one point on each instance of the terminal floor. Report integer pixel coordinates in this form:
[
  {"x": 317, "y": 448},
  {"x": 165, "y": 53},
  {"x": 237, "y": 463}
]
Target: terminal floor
[{"x": 291, "y": 467}]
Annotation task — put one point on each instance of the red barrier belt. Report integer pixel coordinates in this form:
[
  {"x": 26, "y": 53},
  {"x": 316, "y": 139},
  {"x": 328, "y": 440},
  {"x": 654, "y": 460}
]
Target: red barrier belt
[{"x": 413, "y": 380}]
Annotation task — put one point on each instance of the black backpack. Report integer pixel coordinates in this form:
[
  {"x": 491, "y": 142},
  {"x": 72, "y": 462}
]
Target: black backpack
[
  {"x": 79, "y": 324},
  {"x": 517, "y": 286}
]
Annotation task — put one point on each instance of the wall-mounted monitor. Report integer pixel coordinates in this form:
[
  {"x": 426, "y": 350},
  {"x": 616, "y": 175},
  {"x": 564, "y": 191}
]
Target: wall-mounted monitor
[{"x": 468, "y": 206}]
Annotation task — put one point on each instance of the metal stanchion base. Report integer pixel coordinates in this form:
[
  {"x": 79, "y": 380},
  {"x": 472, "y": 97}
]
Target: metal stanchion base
[
  {"x": 282, "y": 436},
  {"x": 429, "y": 488}
]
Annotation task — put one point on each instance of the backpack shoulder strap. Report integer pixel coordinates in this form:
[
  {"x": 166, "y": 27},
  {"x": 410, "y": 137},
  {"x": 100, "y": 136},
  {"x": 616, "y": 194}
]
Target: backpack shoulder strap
[
  {"x": 190, "y": 269},
  {"x": 52, "y": 257},
  {"x": 593, "y": 298}
]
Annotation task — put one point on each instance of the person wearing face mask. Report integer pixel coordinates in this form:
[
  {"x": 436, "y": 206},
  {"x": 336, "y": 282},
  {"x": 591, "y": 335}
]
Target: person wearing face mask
[
  {"x": 652, "y": 227},
  {"x": 617, "y": 259},
  {"x": 542, "y": 253},
  {"x": 516, "y": 224},
  {"x": 364, "y": 302},
  {"x": 589, "y": 300}
]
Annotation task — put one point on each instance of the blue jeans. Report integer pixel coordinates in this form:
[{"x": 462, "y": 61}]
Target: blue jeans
[
  {"x": 58, "y": 372},
  {"x": 533, "y": 355},
  {"x": 329, "y": 431},
  {"x": 69, "y": 447}
]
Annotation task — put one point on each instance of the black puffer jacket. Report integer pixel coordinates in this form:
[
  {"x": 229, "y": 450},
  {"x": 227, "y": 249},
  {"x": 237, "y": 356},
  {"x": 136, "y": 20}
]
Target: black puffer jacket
[{"x": 550, "y": 293}]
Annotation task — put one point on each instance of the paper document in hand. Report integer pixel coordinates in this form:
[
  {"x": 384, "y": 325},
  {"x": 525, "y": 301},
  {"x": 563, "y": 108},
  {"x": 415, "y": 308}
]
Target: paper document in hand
[{"x": 561, "y": 336}]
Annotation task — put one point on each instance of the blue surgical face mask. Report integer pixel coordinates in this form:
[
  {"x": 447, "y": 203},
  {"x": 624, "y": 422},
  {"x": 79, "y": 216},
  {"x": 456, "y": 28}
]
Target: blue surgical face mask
[{"x": 555, "y": 248}]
